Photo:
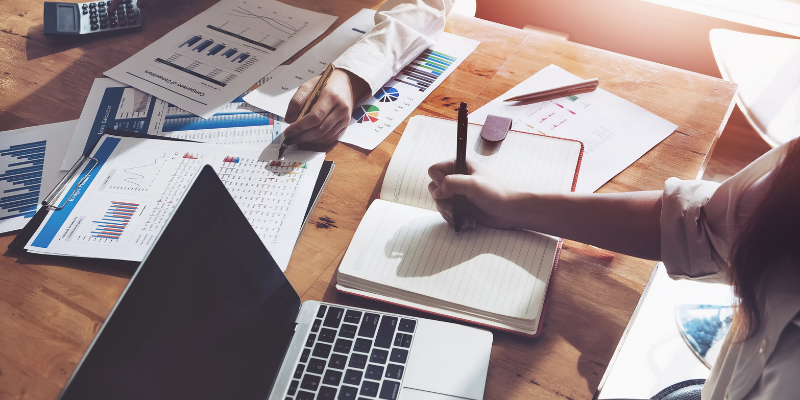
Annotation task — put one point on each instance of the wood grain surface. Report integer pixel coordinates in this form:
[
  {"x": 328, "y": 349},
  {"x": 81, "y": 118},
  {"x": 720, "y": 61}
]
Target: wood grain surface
[{"x": 51, "y": 307}]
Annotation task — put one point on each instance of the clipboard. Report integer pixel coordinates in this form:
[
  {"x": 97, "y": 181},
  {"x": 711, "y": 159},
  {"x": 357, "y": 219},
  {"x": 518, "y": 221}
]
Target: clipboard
[{"x": 49, "y": 203}]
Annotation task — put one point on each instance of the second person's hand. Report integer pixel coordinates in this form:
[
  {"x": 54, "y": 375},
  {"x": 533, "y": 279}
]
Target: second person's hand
[
  {"x": 489, "y": 203},
  {"x": 329, "y": 117}
]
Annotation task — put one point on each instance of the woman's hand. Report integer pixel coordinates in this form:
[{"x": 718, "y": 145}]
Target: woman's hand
[
  {"x": 489, "y": 203},
  {"x": 329, "y": 117}
]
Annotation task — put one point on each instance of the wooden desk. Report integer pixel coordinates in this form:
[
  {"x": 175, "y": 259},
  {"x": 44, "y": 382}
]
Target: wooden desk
[{"x": 51, "y": 307}]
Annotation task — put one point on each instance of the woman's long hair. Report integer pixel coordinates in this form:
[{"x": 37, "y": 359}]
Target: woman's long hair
[{"x": 770, "y": 233}]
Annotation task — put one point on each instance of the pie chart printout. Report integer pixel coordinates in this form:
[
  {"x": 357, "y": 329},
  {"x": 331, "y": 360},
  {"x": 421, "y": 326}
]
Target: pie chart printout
[
  {"x": 387, "y": 94},
  {"x": 366, "y": 113}
]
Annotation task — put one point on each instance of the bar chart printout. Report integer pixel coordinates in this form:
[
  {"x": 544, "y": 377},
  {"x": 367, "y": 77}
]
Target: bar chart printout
[
  {"x": 210, "y": 60},
  {"x": 424, "y": 70},
  {"x": 114, "y": 221},
  {"x": 23, "y": 175}
]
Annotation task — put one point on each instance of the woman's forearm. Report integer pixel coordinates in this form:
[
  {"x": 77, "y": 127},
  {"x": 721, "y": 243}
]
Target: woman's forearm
[{"x": 627, "y": 223}]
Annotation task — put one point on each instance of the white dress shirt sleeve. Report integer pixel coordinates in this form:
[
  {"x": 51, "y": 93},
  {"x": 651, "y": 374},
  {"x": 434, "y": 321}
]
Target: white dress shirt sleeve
[
  {"x": 403, "y": 29},
  {"x": 700, "y": 219}
]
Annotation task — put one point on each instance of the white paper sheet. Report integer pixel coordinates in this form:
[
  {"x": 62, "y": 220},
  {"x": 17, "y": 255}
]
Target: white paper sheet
[
  {"x": 112, "y": 104},
  {"x": 376, "y": 118},
  {"x": 276, "y": 94},
  {"x": 614, "y": 131},
  {"x": 119, "y": 209},
  {"x": 29, "y": 160},
  {"x": 210, "y": 60}
]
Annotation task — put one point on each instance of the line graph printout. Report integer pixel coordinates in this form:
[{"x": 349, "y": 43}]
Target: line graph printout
[
  {"x": 124, "y": 202},
  {"x": 615, "y": 131},
  {"x": 275, "y": 94},
  {"x": 118, "y": 106},
  {"x": 376, "y": 118},
  {"x": 210, "y": 60},
  {"x": 29, "y": 160}
]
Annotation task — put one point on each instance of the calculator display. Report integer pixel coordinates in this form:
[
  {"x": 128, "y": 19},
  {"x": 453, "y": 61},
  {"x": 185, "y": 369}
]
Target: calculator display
[{"x": 67, "y": 19}]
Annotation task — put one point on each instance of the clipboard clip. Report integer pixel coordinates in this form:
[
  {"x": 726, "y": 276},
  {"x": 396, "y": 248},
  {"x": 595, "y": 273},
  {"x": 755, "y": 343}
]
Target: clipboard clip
[{"x": 48, "y": 201}]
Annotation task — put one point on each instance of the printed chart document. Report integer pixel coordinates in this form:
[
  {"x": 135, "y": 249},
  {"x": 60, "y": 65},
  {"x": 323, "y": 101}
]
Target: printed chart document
[
  {"x": 615, "y": 131},
  {"x": 114, "y": 105},
  {"x": 114, "y": 208},
  {"x": 404, "y": 252},
  {"x": 29, "y": 160},
  {"x": 210, "y": 60},
  {"x": 275, "y": 94}
]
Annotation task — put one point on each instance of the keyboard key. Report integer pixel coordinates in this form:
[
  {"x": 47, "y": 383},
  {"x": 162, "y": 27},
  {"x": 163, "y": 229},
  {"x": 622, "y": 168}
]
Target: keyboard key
[
  {"x": 407, "y": 325},
  {"x": 310, "y": 340},
  {"x": 357, "y": 361},
  {"x": 374, "y": 372},
  {"x": 363, "y": 345},
  {"x": 322, "y": 350},
  {"x": 293, "y": 387},
  {"x": 352, "y": 316},
  {"x": 368, "y": 325},
  {"x": 402, "y": 340},
  {"x": 343, "y": 346},
  {"x": 337, "y": 361},
  {"x": 389, "y": 390},
  {"x": 315, "y": 326},
  {"x": 352, "y": 377},
  {"x": 326, "y": 393},
  {"x": 347, "y": 393},
  {"x": 394, "y": 371},
  {"x": 398, "y": 339},
  {"x": 378, "y": 356},
  {"x": 406, "y": 341},
  {"x": 399, "y": 356},
  {"x": 327, "y": 335},
  {"x": 321, "y": 311},
  {"x": 298, "y": 372},
  {"x": 348, "y": 331},
  {"x": 304, "y": 356},
  {"x": 310, "y": 382},
  {"x": 316, "y": 366},
  {"x": 334, "y": 317},
  {"x": 332, "y": 377},
  {"x": 386, "y": 332},
  {"x": 303, "y": 395},
  {"x": 369, "y": 389}
]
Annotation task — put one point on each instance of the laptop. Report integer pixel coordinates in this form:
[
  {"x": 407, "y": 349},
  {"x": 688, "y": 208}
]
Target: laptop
[{"x": 209, "y": 314}]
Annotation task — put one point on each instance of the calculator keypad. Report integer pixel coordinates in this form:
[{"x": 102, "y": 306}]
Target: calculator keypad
[{"x": 95, "y": 16}]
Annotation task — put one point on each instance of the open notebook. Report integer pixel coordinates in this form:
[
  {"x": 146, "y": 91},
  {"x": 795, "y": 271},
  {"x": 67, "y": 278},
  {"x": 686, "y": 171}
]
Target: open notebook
[{"x": 405, "y": 253}]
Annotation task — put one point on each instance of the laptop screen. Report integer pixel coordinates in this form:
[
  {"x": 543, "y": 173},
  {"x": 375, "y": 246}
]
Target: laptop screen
[{"x": 208, "y": 314}]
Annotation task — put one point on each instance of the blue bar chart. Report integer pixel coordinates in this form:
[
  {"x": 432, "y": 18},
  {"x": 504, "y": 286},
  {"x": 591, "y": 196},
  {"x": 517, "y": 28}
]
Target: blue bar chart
[
  {"x": 24, "y": 174},
  {"x": 116, "y": 218},
  {"x": 424, "y": 70}
]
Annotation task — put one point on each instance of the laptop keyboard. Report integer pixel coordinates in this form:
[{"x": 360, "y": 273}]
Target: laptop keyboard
[{"x": 352, "y": 355}]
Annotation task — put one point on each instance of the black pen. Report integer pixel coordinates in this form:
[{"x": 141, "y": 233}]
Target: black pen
[{"x": 461, "y": 164}]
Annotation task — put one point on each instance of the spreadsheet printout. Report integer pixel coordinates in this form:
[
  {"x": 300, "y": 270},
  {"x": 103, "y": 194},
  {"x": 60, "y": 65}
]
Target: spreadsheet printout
[{"x": 116, "y": 209}]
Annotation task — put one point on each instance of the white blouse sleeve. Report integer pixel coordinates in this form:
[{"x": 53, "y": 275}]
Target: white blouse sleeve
[
  {"x": 403, "y": 28},
  {"x": 700, "y": 219}
]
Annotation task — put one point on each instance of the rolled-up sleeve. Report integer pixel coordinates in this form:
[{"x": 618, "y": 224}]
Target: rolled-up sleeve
[
  {"x": 700, "y": 220},
  {"x": 403, "y": 28}
]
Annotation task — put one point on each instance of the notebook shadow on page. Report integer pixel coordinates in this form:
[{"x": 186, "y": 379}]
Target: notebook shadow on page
[{"x": 427, "y": 249}]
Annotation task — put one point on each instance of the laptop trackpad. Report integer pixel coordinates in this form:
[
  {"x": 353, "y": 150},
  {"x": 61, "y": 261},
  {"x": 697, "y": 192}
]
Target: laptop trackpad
[
  {"x": 448, "y": 359},
  {"x": 414, "y": 394}
]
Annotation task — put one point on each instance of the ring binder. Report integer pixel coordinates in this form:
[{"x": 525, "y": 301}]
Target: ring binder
[{"x": 56, "y": 192}]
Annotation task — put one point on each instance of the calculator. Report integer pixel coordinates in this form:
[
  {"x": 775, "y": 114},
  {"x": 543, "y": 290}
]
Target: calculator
[{"x": 92, "y": 17}]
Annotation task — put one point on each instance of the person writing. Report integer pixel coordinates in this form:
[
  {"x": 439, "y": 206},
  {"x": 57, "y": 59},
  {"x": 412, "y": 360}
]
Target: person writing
[
  {"x": 403, "y": 29},
  {"x": 744, "y": 232}
]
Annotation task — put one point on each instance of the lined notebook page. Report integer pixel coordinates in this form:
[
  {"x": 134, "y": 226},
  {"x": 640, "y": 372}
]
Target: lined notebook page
[
  {"x": 524, "y": 161},
  {"x": 500, "y": 271}
]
